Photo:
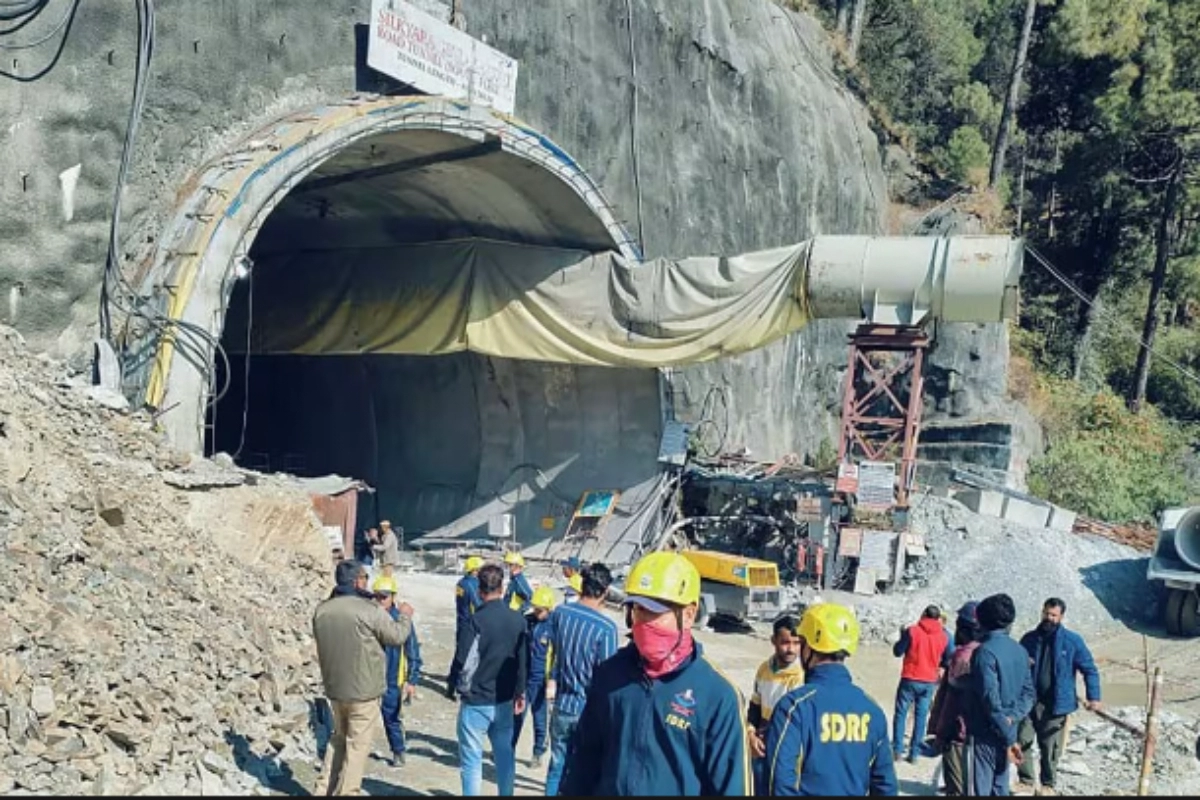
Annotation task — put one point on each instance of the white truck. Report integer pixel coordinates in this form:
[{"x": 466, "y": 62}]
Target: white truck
[{"x": 1176, "y": 562}]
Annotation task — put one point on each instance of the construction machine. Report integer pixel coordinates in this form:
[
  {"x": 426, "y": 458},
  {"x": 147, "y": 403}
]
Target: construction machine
[{"x": 1176, "y": 562}]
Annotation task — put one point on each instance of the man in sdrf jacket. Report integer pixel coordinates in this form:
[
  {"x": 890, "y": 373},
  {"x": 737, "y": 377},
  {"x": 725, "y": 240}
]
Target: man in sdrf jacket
[
  {"x": 923, "y": 647},
  {"x": 827, "y": 737},
  {"x": 352, "y": 631},
  {"x": 659, "y": 718},
  {"x": 1055, "y": 655},
  {"x": 492, "y": 661},
  {"x": 1002, "y": 696}
]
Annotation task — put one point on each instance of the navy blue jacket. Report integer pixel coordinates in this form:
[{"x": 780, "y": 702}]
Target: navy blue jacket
[
  {"x": 539, "y": 654},
  {"x": 467, "y": 599},
  {"x": 404, "y": 662},
  {"x": 1071, "y": 655},
  {"x": 518, "y": 587},
  {"x": 829, "y": 738},
  {"x": 681, "y": 734},
  {"x": 1001, "y": 691}
]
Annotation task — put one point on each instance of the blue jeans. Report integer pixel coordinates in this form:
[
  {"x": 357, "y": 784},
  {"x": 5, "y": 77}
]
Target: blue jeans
[
  {"x": 562, "y": 728},
  {"x": 909, "y": 692},
  {"x": 496, "y": 722},
  {"x": 393, "y": 724},
  {"x": 988, "y": 768},
  {"x": 538, "y": 710}
]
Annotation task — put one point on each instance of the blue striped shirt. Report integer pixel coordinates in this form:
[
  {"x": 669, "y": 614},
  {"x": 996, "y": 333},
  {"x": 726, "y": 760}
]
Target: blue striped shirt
[{"x": 582, "y": 637}]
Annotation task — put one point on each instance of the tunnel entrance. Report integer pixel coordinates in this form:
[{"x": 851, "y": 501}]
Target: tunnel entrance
[{"x": 448, "y": 440}]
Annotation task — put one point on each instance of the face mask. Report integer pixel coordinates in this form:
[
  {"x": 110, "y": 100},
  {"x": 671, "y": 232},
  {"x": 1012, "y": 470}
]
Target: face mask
[{"x": 661, "y": 649}]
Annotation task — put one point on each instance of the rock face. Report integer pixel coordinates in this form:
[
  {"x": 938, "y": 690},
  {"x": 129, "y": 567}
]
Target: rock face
[
  {"x": 136, "y": 653},
  {"x": 718, "y": 127}
]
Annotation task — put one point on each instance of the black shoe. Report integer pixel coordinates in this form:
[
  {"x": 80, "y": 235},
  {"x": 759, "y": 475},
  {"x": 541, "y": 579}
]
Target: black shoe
[
  {"x": 398, "y": 759},
  {"x": 450, "y": 693},
  {"x": 912, "y": 758}
]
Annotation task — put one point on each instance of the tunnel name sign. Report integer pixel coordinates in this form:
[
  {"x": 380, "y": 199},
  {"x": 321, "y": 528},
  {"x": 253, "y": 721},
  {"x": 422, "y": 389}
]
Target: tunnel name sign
[{"x": 419, "y": 49}]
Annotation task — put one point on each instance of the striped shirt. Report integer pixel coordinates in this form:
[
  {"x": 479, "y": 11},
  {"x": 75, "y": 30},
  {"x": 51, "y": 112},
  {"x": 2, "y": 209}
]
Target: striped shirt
[{"x": 582, "y": 637}]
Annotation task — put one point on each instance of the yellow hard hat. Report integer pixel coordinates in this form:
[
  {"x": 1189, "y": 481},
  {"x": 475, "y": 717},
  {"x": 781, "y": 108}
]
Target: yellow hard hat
[
  {"x": 473, "y": 563},
  {"x": 516, "y": 559},
  {"x": 543, "y": 597},
  {"x": 829, "y": 628},
  {"x": 662, "y": 576},
  {"x": 385, "y": 583},
  {"x": 576, "y": 583}
]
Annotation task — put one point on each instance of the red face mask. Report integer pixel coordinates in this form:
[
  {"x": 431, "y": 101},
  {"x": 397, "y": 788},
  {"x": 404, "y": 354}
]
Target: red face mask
[{"x": 662, "y": 649}]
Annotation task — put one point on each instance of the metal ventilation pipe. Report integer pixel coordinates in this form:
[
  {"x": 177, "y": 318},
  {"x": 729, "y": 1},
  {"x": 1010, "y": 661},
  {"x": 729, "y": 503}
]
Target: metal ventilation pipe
[
  {"x": 1187, "y": 538},
  {"x": 911, "y": 280}
]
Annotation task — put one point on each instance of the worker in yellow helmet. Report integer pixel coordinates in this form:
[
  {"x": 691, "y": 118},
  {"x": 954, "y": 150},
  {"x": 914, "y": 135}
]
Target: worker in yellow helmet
[
  {"x": 572, "y": 569},
  {"x": 540, "y": 661},
  {"x": 519, "y": 593},
  {"x": 660, "y": 719},
  {"x": 402, "y": 671},
  {"x": 827, "y": 737},
  {"x": 466, "y": 602}
]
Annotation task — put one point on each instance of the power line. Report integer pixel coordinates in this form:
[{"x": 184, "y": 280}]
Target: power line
[{"x": 1111, "y": 317}]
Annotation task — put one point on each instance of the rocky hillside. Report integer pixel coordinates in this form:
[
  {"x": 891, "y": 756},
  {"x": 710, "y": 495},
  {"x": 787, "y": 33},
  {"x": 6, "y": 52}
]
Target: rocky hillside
[{"x": 138, "y": 649}]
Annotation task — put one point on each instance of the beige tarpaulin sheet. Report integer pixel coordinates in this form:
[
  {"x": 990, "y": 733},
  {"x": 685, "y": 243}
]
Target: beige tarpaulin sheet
[{"x": 523, "y": 302}]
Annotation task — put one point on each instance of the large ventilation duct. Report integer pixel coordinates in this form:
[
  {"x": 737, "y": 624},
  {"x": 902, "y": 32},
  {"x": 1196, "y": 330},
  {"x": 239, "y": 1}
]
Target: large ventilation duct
[
  {"x": 1187, "y": 538},
  {"x": 545, "y": 304}
]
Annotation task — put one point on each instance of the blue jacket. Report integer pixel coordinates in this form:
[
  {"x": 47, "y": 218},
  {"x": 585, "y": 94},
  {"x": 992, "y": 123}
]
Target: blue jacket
[
  {"x": 829, "y": 738},
  {"x": 539, "y": 657},
  {"x": 1001, "y": 690},
  {"x": 404, "y": 662},
  {"x": 466, "y": 599},
  {"x": 681, "y": 734},
  {"x": 519, "y": 588},
  {"x": 1071, "y": 655}
]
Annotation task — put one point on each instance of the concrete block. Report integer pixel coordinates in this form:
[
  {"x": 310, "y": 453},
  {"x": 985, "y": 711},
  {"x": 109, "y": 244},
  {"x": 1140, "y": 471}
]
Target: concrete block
[
  {"x": 982, "y": 501},
  {"x": 1061, "y": 519},
  {"x": 1033, "y": 515}
]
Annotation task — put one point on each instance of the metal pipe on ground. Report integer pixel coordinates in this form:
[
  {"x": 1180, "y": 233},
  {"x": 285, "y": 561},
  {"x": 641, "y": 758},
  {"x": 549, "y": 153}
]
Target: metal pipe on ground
[{"x": 1151, "y": 735}]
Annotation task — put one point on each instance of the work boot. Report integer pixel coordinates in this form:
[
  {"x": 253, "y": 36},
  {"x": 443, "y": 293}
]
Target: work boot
[
  {"x": 536, "y": 761},
  {"x": 398, "y": 759},
  {"x": 1023, "y": 789}
]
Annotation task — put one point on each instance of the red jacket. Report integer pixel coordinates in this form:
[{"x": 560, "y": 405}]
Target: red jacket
[{"x": 927, "y": 643}]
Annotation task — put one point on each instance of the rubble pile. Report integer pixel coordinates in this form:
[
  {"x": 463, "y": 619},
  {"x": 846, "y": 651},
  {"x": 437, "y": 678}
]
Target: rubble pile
[
  {"x": 1103, "y": 758},
  {"x": 971, "y": 556},
  {"x": 136, "y": 654}
]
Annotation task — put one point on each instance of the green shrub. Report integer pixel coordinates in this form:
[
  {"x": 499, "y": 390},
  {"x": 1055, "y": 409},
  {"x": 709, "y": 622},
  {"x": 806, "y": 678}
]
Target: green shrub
[
  {"x": 1104, "y": 461},
  {"x": 967, "y": 156}
]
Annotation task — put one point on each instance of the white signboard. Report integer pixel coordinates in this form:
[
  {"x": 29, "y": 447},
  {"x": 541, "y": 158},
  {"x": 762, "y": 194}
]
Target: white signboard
[
  {"x": 421, "y": 50},
  {"x": 876, "y": 484},
  {"x": 333, "y": 534}
]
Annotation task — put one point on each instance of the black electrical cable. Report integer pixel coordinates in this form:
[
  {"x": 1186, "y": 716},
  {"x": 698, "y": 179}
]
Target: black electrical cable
[
  {"x": 15, "y": 9},
  {"x": 65, "y": 26},
  {"x": 28, "y": 19},
  {"x": 62, "y": 23}
]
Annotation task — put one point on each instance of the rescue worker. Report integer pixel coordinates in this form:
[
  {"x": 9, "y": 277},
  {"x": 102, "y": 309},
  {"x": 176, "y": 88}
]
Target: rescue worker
[
  {"x": 828, "y": 737},
  {"x": 466, "y": 602},
  {"x": 387, "y": 551},
  {"x": 519, "y": 593},
  {"x": 1001, "y": 696},
  {"x": 923, "y": 647},
  {"x": 582, "y": 636},
  {"x": 540, "y": 656},
  {"x": 948, "y": 719},
  {"x": 571, "y": 569},
  {"x": 660, "y": 719},
  {"x": 1055, "y": 656},
  {"x": 402, "y": 672},
  {"x": 351, "y": 632},
  {"x": 777, "y": 676}
]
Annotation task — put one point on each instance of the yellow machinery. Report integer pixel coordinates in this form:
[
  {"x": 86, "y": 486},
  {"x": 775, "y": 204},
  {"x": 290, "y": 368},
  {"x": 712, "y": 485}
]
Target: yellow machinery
[{"x": 735, "y": 587}]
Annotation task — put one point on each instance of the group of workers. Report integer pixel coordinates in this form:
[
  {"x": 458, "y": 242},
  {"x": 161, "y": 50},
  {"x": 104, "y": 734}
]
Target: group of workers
[{"x": 655, "y": 716}]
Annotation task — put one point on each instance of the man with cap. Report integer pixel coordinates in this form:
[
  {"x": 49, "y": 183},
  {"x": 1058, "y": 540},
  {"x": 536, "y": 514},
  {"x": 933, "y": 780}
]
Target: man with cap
[
  {"x": 403, "y": 671},
  {"x": 582, "y": 636},
  {"x": 828, "y": 737},
  {"x": 466, "y": 602},
  {"x": 519, "y": 593},
  {"x": 1001, "y": 687},
  {"x": 948, "y": 715},
  {"x": 571, "y": 568},
  {"x": 387, "y": 551},
  {"x": 659, "y": 719},
  {"x": 351, "y": 632},
  {"x": 540, "y": 654},
  {"x": 923, "y": 647}
]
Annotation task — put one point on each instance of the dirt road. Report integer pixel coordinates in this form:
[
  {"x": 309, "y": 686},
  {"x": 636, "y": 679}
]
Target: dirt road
[{"x": 432, "y": 766}]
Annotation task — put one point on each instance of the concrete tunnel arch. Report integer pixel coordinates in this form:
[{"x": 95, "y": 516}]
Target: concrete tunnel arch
[
  {"x": 228, "y": 202},
  {"x": 545, "y": 199}
]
